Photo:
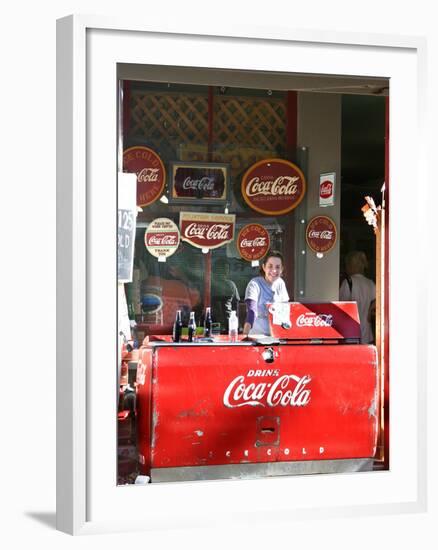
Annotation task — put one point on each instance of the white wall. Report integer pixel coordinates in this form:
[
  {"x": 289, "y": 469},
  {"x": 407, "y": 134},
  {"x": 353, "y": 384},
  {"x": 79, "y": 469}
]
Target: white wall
[{"x": 27, "y": 103}]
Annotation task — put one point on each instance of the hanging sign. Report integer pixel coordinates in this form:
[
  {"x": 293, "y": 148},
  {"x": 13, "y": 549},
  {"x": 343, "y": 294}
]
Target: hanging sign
[
  {"x": 321, "y": 234},
  {"x": 192, "y": 182},
  {"x": 273, "y": 186},
  {"x": 151, "y": 175},
  {"x": 327, "y": 189},
  {"x": 253, "y": 242},
  {"x": 162, "y": 238},
  {"x": 206, "y": 231}
]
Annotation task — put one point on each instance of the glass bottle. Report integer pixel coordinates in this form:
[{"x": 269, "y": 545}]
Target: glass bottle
[
  {"x": 208, "y": 322},
  {"x": 177, "y": 327},
  {"x": 192, "y": 327}
]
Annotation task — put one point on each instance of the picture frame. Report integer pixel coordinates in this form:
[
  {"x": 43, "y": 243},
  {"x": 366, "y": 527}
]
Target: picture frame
[
  {"x": 208, "y": 181},
  {"x": 89, "y": 51}
]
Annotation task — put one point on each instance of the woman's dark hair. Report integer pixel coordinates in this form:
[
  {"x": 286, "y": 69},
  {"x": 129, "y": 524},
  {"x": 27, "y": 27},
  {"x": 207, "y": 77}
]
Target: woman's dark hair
[{"x": 270, "y": 254}]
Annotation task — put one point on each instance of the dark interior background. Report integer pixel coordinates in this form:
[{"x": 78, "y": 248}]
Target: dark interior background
[{"x": 362, "y": 170}]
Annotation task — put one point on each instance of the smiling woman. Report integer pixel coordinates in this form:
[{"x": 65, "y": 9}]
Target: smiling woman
[{"x": 268, "y": 288}]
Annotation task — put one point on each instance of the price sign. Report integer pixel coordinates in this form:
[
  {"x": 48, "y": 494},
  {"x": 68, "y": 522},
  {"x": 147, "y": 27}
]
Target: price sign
[{"x": 125, "y": 244}]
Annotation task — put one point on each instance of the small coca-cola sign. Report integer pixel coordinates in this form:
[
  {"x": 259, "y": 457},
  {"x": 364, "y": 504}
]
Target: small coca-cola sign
[
  {"x": 327, "y": 189},
  {"x": 273, "y": 186},
  {"x": 206, "y": 230},
  {"x": 151, "y": 175},
  {"x": 253, "y": 242},
  {"x": 162, "y": 238},
  {"x": 321, "y": 234}
]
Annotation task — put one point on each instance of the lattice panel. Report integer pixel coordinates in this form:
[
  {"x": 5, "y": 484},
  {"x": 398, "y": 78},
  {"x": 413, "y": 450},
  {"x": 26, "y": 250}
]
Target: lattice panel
[
  {"x": 169, "y": 118},
  {"x": 253, "y": 122},
  {"x": 245, "y": 129}
]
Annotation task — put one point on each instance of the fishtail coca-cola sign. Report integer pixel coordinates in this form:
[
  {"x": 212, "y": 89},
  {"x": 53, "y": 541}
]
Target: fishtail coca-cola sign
[
  {"x": 273, "y": 186},
  {"x": 207, "y": 230},
  {"x": 321, "y": 234},
  {"x": 253, "y": 242},
  {"x": 162, "y": 238},
  {"x": 271, "y": 390},
  {"x": 151, "y": 174}
]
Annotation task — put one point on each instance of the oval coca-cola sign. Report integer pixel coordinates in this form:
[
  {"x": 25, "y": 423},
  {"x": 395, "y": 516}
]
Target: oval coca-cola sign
[
  {"x": 253, "y": 242},
  {"x": 273, "y": 186},
  {"x": 151, "y": 175},
  {"x": 162, "y": 238},
  {"x": 321, "y": 234}
]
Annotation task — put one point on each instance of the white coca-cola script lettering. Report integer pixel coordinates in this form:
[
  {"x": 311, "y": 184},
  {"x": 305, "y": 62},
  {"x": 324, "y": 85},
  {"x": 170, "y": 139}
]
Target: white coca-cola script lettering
[
  {"x": 326, "y": 235},
  {"x": 315, "y": 320},
  {"x": 202, "y": 184},
  {"x": 258, "y": 241},
  {"x": 161, "y": 240},
  {"x": 287, "y": 390},
  {"x": 148, "y": 175},
  {"x": 214, "y": 232},
  {"x": 283, "y": 185},
  {"x": 326, "y": 189}
]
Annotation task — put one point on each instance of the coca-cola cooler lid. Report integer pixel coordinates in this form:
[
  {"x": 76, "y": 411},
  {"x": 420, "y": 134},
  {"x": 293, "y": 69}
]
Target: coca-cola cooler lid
[{"x": 314, "y": 321}]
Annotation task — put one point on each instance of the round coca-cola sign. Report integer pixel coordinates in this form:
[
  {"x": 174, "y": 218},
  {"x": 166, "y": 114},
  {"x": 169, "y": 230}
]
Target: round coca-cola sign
[
  {"x": 273, "y": 186},
  {"x": 253, "y": 242},
  {"x": 162, "y": 238},
  {"x": 151, "y": 175},
  {"x": 321, "y": 234}
]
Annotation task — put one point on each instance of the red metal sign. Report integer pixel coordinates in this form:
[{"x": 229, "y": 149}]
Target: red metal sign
[
  {"x": 253, "y": 242},
  {"x": 273, "y": 186},
  {"x": 226, "y": 405},
  {"x": 316, "y": 321},
  {"x": 321, "y": 234},
  {"x": 161, "y": 238},
  {"x": 151, "y": 175},
  {"x": 207, "y": 230}
]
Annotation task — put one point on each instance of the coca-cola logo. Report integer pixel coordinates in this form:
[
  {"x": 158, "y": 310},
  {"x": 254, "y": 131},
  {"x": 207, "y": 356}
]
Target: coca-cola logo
[
  {"x": 253, "y": 242},
  {"x": 203, "y": 184},
  {"x": 283, "y": 185},
  {"x": 151, "y": 175},
  {"x": 326, "y": 189},
  {"x": 287, "y": 390},
  {"x": 311, "y": 319},
  {"x": 273, "y": 186},
  {"x": 328, "y": 235},
  {"x": 199, "y": 181},
  {"x": 148, "y": 175},
  {"x": 321, "y": 234},
  {"x": 207, "y": 230},
  {"x": 217, "y": 231},
  {"x": 162, "y": 238}
]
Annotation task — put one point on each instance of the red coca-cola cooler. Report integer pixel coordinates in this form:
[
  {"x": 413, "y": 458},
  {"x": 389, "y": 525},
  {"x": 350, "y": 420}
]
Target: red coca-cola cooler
[{"x": 304, "y": 400}]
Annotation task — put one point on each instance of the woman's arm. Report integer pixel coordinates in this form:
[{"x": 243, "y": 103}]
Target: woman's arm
[{"x": 251, "y": 314}]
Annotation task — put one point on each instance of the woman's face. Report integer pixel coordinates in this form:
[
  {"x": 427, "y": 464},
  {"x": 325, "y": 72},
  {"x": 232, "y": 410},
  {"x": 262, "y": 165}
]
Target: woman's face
[{"x": 273, "y": 268}]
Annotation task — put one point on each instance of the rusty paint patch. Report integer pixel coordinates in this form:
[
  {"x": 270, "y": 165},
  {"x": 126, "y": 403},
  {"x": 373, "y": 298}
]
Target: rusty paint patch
[
  {"x": 372, "y": 410},
  {"x": 155, "y": 422}
]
